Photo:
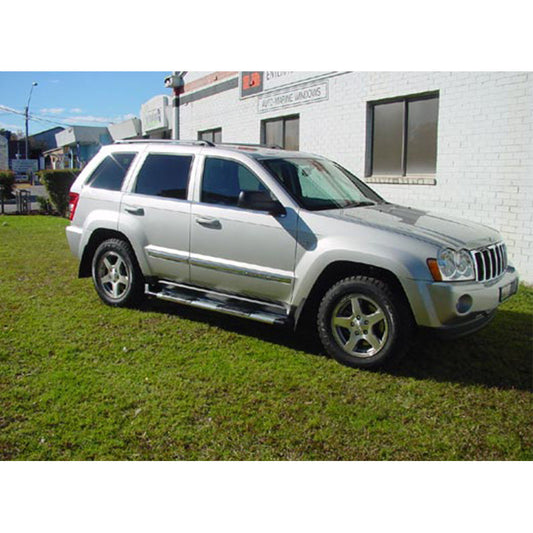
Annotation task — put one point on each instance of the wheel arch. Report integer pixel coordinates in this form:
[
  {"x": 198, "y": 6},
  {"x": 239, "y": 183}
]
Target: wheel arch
[
  {"x": 98, "y": 236},
  {"x": 341, "y": 269}
]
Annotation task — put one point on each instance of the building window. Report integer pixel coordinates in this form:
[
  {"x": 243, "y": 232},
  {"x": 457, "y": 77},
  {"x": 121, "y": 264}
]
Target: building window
[
  {"x": 214, "y": 136},
  {"x": 283, "y": 132},
  {"x": 164, "y": 175},
  {"x": 403, "y": 136}
]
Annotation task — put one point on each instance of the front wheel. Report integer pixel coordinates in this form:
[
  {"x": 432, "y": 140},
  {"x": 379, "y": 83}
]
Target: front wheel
[
  {"x": 363, "y": 324},
  {"x": 117, "y": 277}
]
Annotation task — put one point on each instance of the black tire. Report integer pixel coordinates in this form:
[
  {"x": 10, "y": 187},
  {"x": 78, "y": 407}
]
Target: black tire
[
  {"x": 117, "y": 278},
  {"x": 362, "y": 323}
]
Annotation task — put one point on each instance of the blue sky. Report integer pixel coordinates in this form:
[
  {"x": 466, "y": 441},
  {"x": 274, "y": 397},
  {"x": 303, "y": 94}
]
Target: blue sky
[{"x": 83, "y": 98}]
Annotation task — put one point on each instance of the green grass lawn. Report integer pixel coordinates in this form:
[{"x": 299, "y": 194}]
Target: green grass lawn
[{"x": 80, "y": 380}]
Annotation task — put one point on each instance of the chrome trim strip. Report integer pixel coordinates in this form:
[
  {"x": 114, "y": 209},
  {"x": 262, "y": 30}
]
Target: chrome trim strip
[
  {"x": 169, "y": 255},
  {"x": 493, "y": 261},
  {"x": 181, "y": 257},
  {"x": 241, "y": 271}
]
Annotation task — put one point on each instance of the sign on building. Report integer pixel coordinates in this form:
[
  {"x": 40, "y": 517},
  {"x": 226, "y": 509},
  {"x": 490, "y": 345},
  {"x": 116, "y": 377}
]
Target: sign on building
[
  {"x": 22, "y": 166},
  {"x": 292, "y": 97},
  {"x": 154, "y": 114},
  {"x": 254, "y": 83}
]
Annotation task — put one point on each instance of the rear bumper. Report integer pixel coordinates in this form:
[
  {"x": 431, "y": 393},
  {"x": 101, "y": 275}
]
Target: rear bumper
[
  {"x": 461, "y": 307},
  {"x": 74, "y": 238}
]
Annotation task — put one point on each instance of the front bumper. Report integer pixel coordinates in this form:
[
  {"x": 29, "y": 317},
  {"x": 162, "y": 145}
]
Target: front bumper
[{"x": 459, "y": 307}]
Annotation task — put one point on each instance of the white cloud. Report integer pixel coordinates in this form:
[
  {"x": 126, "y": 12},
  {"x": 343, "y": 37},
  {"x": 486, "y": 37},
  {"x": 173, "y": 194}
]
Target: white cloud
[
  {"x": 52, "y": 110},
  {"x": 76, "y": 110},
  {"x": 100, "y": 119},
  {"x": 89, "y": 118}
]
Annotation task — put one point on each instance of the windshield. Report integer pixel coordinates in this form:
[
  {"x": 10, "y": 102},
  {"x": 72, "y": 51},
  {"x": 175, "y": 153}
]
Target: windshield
[{"x": 320, "y": 184}]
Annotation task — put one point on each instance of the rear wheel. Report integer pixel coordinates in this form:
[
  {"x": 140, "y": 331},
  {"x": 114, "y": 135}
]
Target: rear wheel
[
  {"x": 117, "y": 277},
  {"x": 363, "y": 324}
]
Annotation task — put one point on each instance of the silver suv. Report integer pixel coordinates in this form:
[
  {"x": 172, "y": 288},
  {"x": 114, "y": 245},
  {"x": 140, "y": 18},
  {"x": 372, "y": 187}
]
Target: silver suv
[{"x": 276, "y": 236}]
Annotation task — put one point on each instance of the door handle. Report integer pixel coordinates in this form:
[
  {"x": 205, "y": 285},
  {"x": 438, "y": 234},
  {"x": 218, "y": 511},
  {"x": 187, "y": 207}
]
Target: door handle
[
  {"x": 134, "y": 210},
  {"x": 209, "y": 222}
]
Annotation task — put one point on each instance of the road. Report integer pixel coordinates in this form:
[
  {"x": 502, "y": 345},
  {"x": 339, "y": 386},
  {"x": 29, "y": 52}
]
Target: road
[{"x": 10, "y": 206}]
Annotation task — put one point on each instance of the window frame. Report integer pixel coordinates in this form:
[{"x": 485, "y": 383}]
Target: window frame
[
  {"x": 190, "y": 178},
  {"x": 426, "y": 178},
  {"x": 284, "y": 119},
  {"x": 212, "y": 131}
]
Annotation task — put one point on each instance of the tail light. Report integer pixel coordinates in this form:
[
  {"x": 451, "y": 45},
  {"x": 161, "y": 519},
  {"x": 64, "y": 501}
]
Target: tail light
[{"x": 73, "y": 198}]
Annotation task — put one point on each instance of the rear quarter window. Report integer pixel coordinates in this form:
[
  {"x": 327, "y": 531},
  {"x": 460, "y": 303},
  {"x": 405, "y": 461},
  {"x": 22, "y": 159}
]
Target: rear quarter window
[{"x": 110, "y": 173}]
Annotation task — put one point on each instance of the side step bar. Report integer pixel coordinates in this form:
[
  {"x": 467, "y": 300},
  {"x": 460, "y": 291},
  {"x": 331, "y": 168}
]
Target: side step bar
[{"x": 221, "y": 303}]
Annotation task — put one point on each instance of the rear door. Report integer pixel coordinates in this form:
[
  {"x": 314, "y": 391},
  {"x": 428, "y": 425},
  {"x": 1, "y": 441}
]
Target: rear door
[{"x": 156, "y": 212}]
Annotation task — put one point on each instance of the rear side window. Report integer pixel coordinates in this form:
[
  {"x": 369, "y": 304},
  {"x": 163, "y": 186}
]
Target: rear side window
[
  {"x": 110, "y": 173},
  {"x": 164, "y": 175}
]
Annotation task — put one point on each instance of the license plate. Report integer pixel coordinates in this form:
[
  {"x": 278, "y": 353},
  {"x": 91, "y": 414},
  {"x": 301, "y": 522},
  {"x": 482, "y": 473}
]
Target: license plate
[{"x": 508, "y": 290}]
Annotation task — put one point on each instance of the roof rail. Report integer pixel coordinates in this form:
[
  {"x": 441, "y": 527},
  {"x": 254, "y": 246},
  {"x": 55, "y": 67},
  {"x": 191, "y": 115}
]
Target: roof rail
[
  {"x": 165, "y": 141},
  {"x": 271, "y": 146}
]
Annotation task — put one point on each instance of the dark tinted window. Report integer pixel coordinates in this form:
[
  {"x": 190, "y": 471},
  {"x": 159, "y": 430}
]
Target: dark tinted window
[
  {"x": 223, "y": 181},
  {"x": 164, "y": 175},
  {"x": 111, "y": 171}
]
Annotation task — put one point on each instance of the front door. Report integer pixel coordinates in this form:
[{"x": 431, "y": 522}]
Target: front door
[{"x": 240, "y": 250}]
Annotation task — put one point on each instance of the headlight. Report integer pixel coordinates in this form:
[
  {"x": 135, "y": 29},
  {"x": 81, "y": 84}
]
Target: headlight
[{"x": 455, "y": 265}]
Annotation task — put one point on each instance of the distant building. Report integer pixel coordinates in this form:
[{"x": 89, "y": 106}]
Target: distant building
[
  {"x": 76, "y": 145},
  {"x": 129, "y": 129}
]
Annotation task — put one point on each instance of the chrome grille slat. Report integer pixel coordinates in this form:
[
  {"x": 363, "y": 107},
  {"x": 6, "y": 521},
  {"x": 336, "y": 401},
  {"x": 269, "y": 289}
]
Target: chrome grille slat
[{"x": 490, "y": 262}]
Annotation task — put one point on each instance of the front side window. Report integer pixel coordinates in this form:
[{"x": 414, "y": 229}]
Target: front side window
[
  {"x": 404, "y": 136},
  {"x": 223, "y": 181},
  {"x": 110, "y": 173},
  {"x": 164, "y": 175},
  {"x": 320, "y": 184}
]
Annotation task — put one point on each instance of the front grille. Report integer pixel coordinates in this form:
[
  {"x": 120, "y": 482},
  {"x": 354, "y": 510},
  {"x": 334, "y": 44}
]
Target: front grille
[{"x": 490, "y": 262}]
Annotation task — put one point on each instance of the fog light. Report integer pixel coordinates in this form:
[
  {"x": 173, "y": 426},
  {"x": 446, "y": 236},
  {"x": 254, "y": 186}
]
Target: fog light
[{"x": 464, "y": 304}]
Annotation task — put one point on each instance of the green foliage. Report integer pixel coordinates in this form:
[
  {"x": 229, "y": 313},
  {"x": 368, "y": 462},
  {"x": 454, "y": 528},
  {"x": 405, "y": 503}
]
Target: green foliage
[
  {"x": 45, "y": 206},
  {"x": 7, "y": 184},
  {"x": 58, "y": 183}
]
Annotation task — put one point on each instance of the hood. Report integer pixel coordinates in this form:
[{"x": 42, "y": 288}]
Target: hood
[{"x": 435, "y": 229}]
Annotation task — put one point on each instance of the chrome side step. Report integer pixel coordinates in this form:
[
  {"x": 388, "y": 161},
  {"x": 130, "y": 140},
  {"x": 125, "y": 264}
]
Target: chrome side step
[{"x": 221, "y": 303}]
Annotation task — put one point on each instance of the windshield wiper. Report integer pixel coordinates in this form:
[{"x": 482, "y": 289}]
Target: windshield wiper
[{"x": 358, "y": 204}]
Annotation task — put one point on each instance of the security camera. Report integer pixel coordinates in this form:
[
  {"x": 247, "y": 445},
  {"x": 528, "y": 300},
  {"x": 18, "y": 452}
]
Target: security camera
[{"x": 174, "y": 81}]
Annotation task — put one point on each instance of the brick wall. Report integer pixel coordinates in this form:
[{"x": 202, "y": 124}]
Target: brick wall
[{"x": 485, "y": 150}]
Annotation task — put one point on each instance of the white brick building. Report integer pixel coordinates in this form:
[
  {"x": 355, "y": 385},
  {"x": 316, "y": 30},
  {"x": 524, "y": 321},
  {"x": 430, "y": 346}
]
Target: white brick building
[{"x": 456, "y": 143}]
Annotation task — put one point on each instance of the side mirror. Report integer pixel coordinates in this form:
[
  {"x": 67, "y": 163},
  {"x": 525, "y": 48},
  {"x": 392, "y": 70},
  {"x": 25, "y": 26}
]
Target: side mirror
[{"x": 260, "y": 201}]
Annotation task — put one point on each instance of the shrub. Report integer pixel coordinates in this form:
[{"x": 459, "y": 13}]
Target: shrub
[
  {"x": 58, "y": 183},
  {"x": 7, "y": 183},
  {"x": 45, "y": 206}
]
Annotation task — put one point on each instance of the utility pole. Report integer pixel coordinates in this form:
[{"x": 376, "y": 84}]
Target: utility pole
[
  {"x": 175, "y": 82},
  {"x": 26, "y": 114}
]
